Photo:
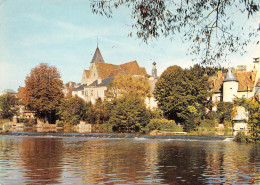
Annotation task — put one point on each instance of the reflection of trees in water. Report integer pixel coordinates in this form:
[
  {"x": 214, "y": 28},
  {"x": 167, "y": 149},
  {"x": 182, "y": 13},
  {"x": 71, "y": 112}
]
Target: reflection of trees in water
[
  {"x": 104, "y": 161},
  {"x": 238, "y": 166},
  {"x": 199, "y": 163},
  {"x": 181, "y": 162},
  {"x": 41, "y": 158}
]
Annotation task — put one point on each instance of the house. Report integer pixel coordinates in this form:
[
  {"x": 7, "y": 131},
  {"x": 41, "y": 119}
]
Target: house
[
  {"x": 240, "y": 83},
  {"x": 95, "y": 80},
  {"x": 9, "y": 91}
]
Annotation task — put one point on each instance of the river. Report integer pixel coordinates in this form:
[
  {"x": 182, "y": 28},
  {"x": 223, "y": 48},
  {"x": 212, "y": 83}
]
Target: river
[{"x": 87, "y": 160}]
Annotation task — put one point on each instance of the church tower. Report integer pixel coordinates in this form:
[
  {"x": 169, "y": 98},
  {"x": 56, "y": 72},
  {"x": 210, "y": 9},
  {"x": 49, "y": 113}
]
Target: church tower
[
  {"x": 230, "y": 86},
  {"x": 154, "y": 71},
  {"x": 97, "y": 57}
]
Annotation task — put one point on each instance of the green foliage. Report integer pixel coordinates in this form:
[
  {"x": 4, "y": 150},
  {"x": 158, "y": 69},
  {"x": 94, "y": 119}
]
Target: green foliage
[
  {"x": 8, "y": 106},
  {"x": 242, "y": 137},
  {"x": 224, "y": 110},
  {"x": 164, "y": 125},
  {"x": 43, "y": 91},
  {"x": 207, "y": 123},
  {"x": 27, "y": 122},
  {"x": 253, "y": 108},
  {"x": 72, "y": 110},
  {"x": 183, "y": 94},
  {"x": 129, "y": 113},
  {"x": 98, "y": 113}
]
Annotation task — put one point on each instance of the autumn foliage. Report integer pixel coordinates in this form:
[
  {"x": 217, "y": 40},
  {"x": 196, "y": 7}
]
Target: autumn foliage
[{"x": 43, "y": 91}]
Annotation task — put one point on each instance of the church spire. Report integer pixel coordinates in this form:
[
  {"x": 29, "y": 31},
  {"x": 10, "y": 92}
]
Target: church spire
[
  {"x": 154, "y": 71},
  {"x": 97, "y": 56}
]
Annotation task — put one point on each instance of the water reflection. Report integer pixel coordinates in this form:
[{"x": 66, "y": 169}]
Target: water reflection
[
  {"x": 53, "y": 160},
  {"x": 41, "y": 159}
]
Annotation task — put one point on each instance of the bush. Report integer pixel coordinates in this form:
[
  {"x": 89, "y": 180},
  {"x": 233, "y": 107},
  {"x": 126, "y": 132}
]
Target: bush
[
  {"x": 164, "y": 124},
  {"x": 60, "y": 123},
  {"x": 242, "y": 137},
  {"x": 207, "y": 123}
]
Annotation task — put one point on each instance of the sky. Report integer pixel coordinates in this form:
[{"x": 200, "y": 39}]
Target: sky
[{"x": 65, "y": 34}]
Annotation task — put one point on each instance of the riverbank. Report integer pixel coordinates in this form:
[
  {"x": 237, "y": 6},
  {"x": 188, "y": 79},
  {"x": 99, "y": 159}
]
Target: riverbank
[{"x": 115, "y": 135}]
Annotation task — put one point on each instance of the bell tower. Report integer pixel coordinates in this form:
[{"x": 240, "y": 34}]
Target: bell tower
[{"x": 154, "y": 71}]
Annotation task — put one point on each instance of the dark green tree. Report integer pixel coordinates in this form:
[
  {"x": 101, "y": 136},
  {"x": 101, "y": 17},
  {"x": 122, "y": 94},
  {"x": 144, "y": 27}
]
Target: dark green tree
[
  {"x": 98, "y": 113},
  {"x": 183, "y": 94},
  {"x": 8, "y": 106},
  {"x": 129, "y": 114},
  {"x": 72, "y": 110},
  {"x": 224, "y": 111},
  {"x": 209, "y": 25}
]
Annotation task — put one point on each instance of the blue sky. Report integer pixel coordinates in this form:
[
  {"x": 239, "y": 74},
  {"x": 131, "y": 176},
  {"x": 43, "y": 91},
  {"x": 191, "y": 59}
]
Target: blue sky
[{"x": 64, "y": 34}]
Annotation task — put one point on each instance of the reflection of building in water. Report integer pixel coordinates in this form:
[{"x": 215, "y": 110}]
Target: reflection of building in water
[
  {"x": 231, "y": 165},
  {"x": 41, "y": 158},
  {"x": 151, "y": 158}
]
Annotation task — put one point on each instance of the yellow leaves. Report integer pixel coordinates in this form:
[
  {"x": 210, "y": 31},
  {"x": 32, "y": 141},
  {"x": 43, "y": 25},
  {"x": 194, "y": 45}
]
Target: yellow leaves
[{"x": 130, "y": 84}]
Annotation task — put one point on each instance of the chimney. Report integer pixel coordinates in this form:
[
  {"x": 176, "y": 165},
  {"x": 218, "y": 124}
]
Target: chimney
[{"x": 99, "y": 81}]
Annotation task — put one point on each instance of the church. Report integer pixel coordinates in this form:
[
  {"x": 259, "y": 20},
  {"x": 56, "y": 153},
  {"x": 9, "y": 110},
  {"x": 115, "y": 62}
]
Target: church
[{"x": 95, "y": 80}]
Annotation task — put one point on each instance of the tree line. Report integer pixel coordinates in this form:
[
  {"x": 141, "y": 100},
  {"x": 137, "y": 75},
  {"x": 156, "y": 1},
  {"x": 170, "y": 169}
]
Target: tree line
[{"x": 183, "y": 96}]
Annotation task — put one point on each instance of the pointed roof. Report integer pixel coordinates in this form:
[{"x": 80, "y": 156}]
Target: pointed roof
[
  {"x": 97, "y": 56},
  {"x": 230, "y": 76}
]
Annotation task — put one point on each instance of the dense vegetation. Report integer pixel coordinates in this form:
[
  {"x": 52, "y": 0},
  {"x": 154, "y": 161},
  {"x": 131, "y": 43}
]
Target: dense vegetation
[
  {"x": 183, "y": 97},
  {"x": 8, "y": 106},
  {"x": 183, "y": 94}
]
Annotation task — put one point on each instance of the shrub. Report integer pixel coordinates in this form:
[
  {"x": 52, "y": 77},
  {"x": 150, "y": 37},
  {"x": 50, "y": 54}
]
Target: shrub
[
  {"x": 163, "y": 124},
  {"x": 207, "y": 123},
  {"x": 242, "y": 137}
]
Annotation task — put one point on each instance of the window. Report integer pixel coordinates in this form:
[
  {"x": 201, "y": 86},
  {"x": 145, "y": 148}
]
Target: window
[{"x": 82, "y": 93}]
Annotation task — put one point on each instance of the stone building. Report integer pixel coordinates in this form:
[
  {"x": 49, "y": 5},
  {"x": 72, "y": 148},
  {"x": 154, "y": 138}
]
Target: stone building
[
  {"x": 95, "y": 80},
  {"x": 235, "y": 84},
  {"x": 240, "y": 83}
]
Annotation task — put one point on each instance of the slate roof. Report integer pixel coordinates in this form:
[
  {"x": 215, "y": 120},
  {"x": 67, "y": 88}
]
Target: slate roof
[
  {"x": 230, "y": 76},
  {"x": 9, "y": 91},
  {"x": 104, "y": 82},
  {"x": 80, "y": 88},
  {"x": 97, "y": 57}
]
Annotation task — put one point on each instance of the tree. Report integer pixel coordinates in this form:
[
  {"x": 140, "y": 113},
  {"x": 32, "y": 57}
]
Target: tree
[
  {"x": 72, "y": 110},
  {"x": 252, "y": 106},
  {"x": 208, "y": 24},
  {"x": 129, "y": 113},
  {"x": 43, "y": 88},
  {"x": 123, "y": 84},
  {"x": 8, "y": 106},
  {"x": 183, "y": 94},
  {"x": 98, "y": 113},
  {"x": 225, "y": 111}
]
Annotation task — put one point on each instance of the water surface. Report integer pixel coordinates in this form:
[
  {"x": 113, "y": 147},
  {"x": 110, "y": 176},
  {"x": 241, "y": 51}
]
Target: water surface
[{"x": 82, "y": 160}]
